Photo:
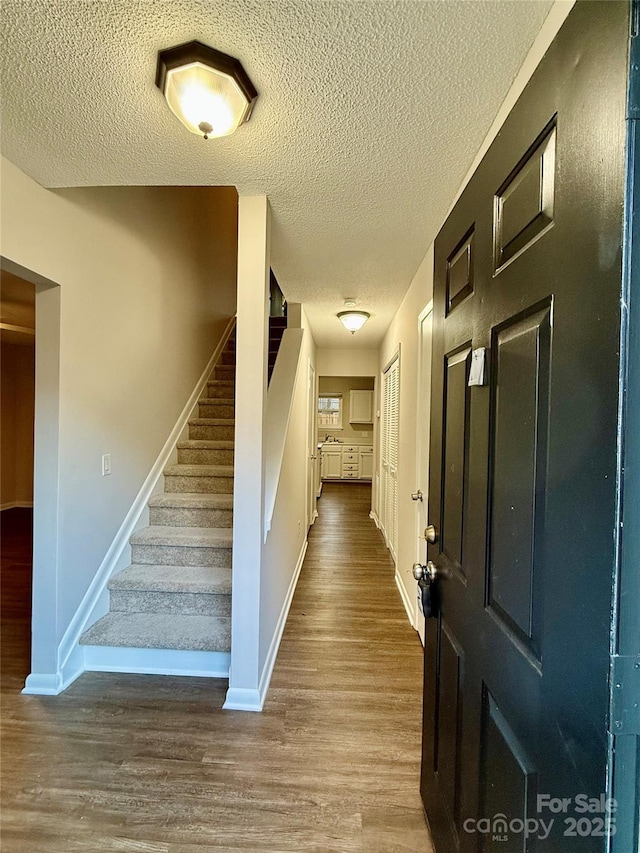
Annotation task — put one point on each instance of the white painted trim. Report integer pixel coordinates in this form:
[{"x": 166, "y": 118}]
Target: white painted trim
[
  {"x": 51, "y": 684},
  {"x": 428, "y": 308},
  {"x": 373, "y": 514},
  {"x": 16, "y": 505},
  {"x": 278, "y": 416},
  {"x": 157, "y": 661},
  {"x": 242, "y": 699},
  {"x": 405, "y": 599},
  {"x": 97, "y": 587},
  {"x": 42, "y": 684}
]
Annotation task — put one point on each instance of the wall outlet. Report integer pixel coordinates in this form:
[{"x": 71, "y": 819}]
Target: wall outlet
[{"x": 106, "y": 464}]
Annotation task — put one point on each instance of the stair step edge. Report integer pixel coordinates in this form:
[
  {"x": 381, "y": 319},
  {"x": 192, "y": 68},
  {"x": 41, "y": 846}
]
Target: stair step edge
[
  {"x": 173, "y": 579},
  {"x": 185, "y": 470},
  {"x": 160, "y": 631},
  {"x": 191, "y": 500},
  {"x": 184, "y": 537}
]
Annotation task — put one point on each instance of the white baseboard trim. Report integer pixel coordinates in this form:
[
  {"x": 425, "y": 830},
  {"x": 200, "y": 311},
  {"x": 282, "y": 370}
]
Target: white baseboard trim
[
  {"x": 243, "y": 699},
  {"x": 83, "y": 615},
  {"x": 250, "y": 699},
  {"x": 157, "y": 661},
  {"x": 50, "y": 683},
  {"x": 42, "y": 684},
  {"x": 16, "y": 505},
  {"x": 375, "y": 518},
  {"x": 408, "y": 604}
]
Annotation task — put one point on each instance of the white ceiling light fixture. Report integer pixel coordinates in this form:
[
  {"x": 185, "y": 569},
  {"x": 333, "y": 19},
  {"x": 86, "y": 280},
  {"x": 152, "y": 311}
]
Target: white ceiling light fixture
[
  {"x": 353, "y": 320},
  {"x": 207, "y": 90}
]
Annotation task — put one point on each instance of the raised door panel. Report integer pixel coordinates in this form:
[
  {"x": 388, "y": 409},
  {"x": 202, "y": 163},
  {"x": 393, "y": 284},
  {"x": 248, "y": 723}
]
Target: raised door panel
[
  {"x": 518, "y": 472},
  {"x": 455, "y": 455}
]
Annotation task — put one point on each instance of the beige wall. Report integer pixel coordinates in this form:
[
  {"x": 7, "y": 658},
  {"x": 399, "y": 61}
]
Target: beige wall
[
  {"x": 347, "y": 362},
  {"x": 356, "y": 433},
  {"x": 147, "y": 281},
  {"x": 17, "y": 395}
]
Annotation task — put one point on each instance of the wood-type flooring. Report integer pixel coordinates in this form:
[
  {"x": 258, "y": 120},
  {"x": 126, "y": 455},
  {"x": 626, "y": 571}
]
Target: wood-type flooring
[{"x": 152, "y": 764}]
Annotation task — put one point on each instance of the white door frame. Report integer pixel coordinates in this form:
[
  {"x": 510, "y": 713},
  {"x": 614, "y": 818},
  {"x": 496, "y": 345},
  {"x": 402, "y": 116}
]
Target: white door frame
[
  {"x": 423, "y": 412},
  {"x": 45, "y": 676},
  {"x": 312, "y": 444},
  {"x": 390, "y": 536}
]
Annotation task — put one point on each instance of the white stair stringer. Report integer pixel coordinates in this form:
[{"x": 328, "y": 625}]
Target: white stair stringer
[{"x": 170, "y": 610}]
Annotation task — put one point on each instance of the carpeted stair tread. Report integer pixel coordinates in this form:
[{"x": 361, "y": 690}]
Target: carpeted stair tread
[
  {"x": 212, "y": 421},
  {"x": 196, "y": 500},
  {"x": 205, "y": 579},
  {"x": 185, "y": 537},
  {"x": 182, "y": 470},
  {"x": 204, "y": 444},
  {"x": 161, "y": 631},
  {"x": 218, "y": 401}
]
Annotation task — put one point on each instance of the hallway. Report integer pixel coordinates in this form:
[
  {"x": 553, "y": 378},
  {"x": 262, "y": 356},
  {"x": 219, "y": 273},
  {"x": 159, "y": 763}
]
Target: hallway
[{"x": 126, "y": 762}]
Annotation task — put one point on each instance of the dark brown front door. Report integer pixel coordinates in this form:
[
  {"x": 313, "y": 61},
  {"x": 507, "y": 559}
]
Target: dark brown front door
[{"x": 523, "y": 467}]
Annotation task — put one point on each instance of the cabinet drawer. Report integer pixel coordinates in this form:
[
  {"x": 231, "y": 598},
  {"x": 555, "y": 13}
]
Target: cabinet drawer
[
  {"x": 351, "y": 466},
  {"x": 366, "y": 450},
  {"x": 349, "y": 457},
  {"x": 346, "y": 475},
  {"x": 349, "y": 448}
]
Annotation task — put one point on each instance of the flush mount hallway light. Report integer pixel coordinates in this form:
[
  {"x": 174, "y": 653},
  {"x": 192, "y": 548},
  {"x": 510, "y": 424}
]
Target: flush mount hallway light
[
  {"x": 207, "y": 90},
  {"x": 353, "y": 320}
]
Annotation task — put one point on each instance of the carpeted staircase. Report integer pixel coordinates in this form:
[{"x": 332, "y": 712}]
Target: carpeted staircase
[{"x": 176, "y": 594}]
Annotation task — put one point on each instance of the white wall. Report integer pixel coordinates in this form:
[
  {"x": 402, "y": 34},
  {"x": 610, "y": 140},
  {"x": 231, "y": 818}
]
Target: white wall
[
  {"x": 147, "y": 280},
  {"x": 283, "y": 549},
  {"x": 17, "y": 396},
  {"x": 403, "y": 330}
]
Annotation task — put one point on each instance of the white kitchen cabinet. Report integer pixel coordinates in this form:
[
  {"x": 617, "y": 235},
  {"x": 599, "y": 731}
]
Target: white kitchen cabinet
[
  {"x": 365, "y": 463},
  {"x": 360, "y": 407},
  {"x": 331, "y": 463},
  {"x": 347, "y": 462}
]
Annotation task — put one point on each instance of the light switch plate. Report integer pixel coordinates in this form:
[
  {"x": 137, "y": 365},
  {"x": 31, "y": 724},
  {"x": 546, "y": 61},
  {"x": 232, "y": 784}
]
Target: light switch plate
[{"x": 106, "y": 464}]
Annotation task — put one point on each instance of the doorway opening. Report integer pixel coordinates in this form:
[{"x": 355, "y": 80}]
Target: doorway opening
[
  {"x": 346, "y": 431},
  {"x": 17, "y": 395},
  {"x": 39, "y": 614}
]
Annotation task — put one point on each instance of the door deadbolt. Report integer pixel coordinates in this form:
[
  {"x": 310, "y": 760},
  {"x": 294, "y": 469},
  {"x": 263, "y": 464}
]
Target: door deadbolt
[
  {"x": 431, "y": 534},
  {"x": 416, "y": 496}
]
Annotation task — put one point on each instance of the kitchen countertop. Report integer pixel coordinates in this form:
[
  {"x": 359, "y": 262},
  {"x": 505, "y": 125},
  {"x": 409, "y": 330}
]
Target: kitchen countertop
[{"x": 321, "y": 444}]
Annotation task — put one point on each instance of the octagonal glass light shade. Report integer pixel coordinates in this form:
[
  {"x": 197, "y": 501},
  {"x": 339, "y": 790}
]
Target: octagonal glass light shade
[
  {"x": 353, "y": 320},
  {"x": 208, "y": 91},
  {"x": 205, "y": 100}
]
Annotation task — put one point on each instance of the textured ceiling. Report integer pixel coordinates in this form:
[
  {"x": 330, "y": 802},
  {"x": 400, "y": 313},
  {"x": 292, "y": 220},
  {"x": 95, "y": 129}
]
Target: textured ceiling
[{"x": 369, "y": 115}]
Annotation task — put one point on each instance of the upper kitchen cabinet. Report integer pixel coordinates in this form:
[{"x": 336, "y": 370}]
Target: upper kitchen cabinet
[{"x": 360, "y": 407}]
